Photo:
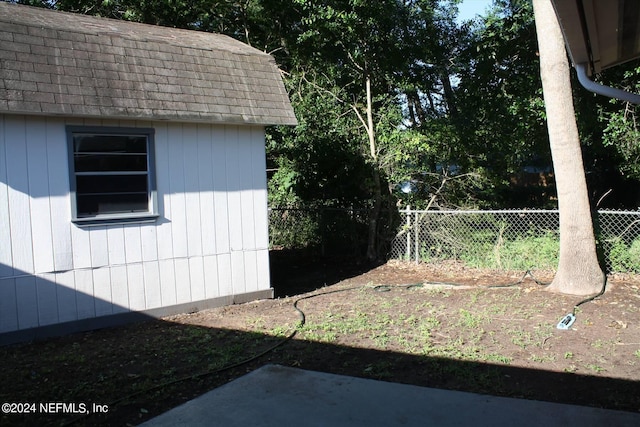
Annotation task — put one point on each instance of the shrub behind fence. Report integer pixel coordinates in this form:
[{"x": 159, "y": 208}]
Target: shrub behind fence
[
  {"x": 329, "y": 231},
  {"x": 502, "y": 239},
  {"x": 510, "y": 239}
]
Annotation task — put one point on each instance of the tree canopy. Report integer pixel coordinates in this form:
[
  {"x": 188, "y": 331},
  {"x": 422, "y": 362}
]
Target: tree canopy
[{"x": 401, "y": 103}]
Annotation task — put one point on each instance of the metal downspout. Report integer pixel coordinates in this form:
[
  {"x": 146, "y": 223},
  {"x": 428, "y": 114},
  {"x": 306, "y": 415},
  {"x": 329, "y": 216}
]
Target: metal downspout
[{"x": 592, "y": 86}]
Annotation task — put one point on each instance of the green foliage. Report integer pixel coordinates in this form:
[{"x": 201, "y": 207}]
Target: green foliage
[
  {"x": 482, "y": 243},
  {"x": 457, "y": 108},
  {"x": 623, "y": 257},
  {"x": 324, "y": 230},
  {"x": 502, "y": 111},
  {"x": 621, "y": 130},
  {"x": 294, "y": 229},
  {"x": 622, "y": 133},
  {"x": 487, "y": 249},
  {"x": 422, "y": 159},
  {"x": 319, "y": 162},
  {"x": 523, "y": 253}
]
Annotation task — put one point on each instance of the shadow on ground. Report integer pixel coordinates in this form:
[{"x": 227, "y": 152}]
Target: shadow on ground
[
  {"x": 142, "y": 370},
  {"x": 294, "y": 272}
]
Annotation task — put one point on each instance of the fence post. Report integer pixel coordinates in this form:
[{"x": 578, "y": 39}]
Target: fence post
[{"x": 407, "y": 250}]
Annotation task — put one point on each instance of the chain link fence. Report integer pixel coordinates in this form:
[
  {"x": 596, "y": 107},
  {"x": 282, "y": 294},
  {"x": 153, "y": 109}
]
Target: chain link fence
[
  {"x": 510, "y": 239},
  {"x": 502, "y": 239},
  {"x": 329, "y": 231}
]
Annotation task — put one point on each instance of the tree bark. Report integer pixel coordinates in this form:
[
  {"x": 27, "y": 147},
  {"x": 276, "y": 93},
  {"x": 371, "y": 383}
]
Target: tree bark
[
  {"x": 448, "y": 93},
  {"x": 372, "y": 244},
  {"x": 579, "y": 272}
]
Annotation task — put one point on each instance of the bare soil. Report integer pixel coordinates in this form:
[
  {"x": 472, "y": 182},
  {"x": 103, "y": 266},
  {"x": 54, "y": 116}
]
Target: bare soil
[{"x": 443, "y": 326}]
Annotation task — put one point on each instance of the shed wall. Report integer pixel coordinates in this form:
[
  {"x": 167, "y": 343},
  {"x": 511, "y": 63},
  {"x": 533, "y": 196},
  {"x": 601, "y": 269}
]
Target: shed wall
[{"x": 210, "y": 240}]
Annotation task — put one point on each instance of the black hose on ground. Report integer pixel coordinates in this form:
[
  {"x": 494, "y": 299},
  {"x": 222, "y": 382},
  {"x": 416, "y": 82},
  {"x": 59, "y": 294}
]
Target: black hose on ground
[{"x": 301, "y": 323}]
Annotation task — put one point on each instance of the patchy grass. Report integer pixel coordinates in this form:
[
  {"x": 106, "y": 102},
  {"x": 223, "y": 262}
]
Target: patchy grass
[{"x": 501, "y": 341}]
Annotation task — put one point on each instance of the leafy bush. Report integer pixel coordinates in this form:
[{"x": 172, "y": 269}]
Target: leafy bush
[
  {"x": 623, "y": 258},
  {"x": 634, "y": 253},
  {"x": 330, "y": 231},
  {"x": 293, "y": 228},
  {"x": 521, "y": 253}
]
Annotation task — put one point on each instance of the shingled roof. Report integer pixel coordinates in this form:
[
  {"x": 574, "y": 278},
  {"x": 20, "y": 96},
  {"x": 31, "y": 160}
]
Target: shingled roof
[{"x": 56, "y": 63}]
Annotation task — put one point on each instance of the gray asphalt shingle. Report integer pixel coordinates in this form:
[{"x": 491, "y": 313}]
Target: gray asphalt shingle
[{"x": 69, "y": 64}]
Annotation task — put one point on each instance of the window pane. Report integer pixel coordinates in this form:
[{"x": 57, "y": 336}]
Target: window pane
[
  {"x": 97, "y": 184},
  {"x": 91, "y": 205},
  {"x": 110, "y": 143},
  {"x": 114, "y": 162},
  {"x": 111, "y": 169}
]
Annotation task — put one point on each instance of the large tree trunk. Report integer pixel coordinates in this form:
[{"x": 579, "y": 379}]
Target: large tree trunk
[{"x": 579, "y": 272}]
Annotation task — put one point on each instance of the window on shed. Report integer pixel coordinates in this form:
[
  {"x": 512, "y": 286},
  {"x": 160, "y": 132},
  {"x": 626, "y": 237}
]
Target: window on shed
[{"x": 112, "y": 176}]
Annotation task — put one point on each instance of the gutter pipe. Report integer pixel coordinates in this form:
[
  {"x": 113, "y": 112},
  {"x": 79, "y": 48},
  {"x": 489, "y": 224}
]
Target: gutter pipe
[{"x": 611, "y": 92}]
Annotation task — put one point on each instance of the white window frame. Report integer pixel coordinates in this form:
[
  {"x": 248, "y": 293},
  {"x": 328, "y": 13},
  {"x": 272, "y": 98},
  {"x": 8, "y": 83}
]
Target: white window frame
[{"x": 151, "y": 214}]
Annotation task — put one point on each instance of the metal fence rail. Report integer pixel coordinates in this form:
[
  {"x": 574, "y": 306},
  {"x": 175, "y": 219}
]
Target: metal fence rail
[{"x": 503, "y": 239}]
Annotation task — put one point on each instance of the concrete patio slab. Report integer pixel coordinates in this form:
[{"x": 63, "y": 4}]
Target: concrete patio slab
[{"x": 280, "y": 396}]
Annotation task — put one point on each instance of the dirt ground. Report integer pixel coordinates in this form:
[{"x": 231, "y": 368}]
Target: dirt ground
[{"x": 440, "y": 325}]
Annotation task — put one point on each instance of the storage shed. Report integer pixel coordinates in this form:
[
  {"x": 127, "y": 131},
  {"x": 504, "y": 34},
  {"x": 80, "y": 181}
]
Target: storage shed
[{"x": 132, "y": 171}]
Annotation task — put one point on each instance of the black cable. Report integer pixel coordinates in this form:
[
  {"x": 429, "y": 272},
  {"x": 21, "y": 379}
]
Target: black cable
[
  {"x": 387, "y": 288},
  {"x": 301, "y": 323},
  {"x": 527, "y": 273},
  {"x": 224, "y": 368},
  {"x": 591, "y": 298},
  {"x": 301, "y": 313},
  {"x": 191, "y": 377}
]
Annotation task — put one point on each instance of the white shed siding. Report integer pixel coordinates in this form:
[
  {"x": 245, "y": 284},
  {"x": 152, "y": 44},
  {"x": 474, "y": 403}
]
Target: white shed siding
[
  {"x": 59, "y": 196},
  {"x": 27, "y": 302},
  {"x": 39, "y": 190},
  {"x": 192, "y": 191},
  {"x": 6, "y": 259},
  {"x": 210, "y": 240},
  {"x": 8, "y": 305},
  {"x": 17, "y": 180},
  {"x": 196, "y": 276},
  {"x": 119, "y": 288},
  {"x": 211, "y": 275},
  {"x": 205, "y": 180},
  {"x": 183, "y": 281},
  {"x": 164, "y": 231},
  {"x": 66, "y": 296},
  {"x": 168, "y": 282},
  {"x": 176, "y": 189},
  {"x": 47, "y": 305},
  {"x": 102, "y": 291},
  {"x": 224, "y": 274}
]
